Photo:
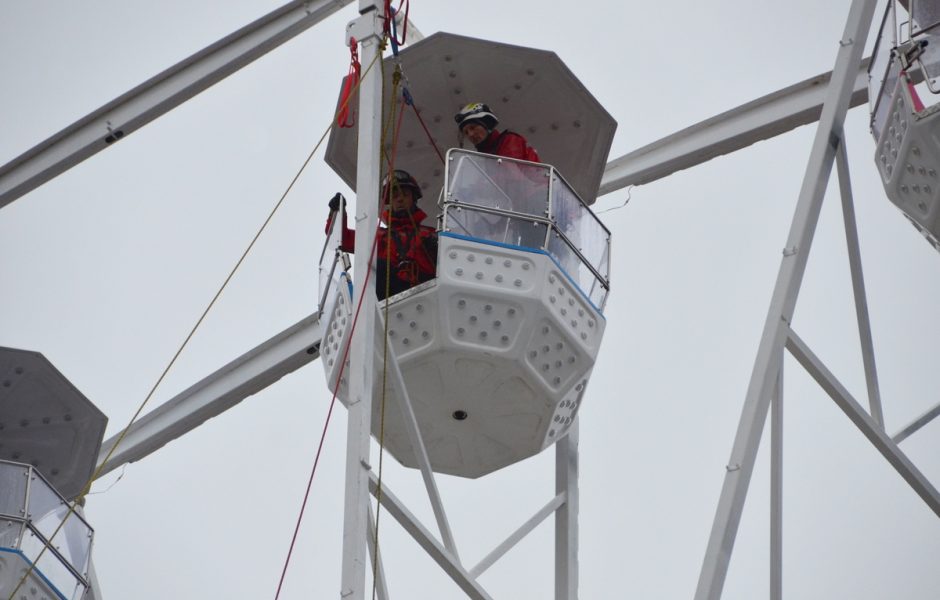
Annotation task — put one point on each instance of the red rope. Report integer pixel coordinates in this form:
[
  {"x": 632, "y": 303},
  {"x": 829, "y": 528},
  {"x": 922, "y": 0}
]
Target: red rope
[
  {"x": 426, "y": 131},
  {"x": 344, "y": 119},
  {"x": 326, "y": 425}
]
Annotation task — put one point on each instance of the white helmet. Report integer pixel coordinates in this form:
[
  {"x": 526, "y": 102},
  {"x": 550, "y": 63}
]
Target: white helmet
[{"x": 476, "y": 112}]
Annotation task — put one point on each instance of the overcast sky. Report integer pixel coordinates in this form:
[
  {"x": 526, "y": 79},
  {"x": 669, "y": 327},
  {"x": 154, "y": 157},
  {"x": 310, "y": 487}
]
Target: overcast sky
[{"x": 105, "y": 269}]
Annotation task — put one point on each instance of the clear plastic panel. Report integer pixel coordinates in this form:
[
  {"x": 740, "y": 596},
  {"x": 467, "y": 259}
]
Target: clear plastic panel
[
  {"x": 329, "y": 260},
  {"x": 884, "y": 101},
  {"x": 502, "y": 229},
  {"x": 926, "y": 15},
  {"x": 582, "y": 228},
  {"x": 884, "y": 47},
  {"x": 10, "y": 531},
  {"x": 13, "y": 480},
  {"x": 500, "y": 183},
  {"x": 51, "y": 567},
  {"x": 47, "y": 510}
]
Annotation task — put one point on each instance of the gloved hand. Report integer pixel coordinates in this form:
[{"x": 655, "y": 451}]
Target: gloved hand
[{"x": 335, "y": 202}]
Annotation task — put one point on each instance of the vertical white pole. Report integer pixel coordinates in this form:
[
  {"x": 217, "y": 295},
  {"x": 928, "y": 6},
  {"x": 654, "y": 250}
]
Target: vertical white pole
[
  {"x": 367, "y": 31},
  {"x": 566, "y": 517},
  {"x": 786, "y": 290},
  {"x": 776, "y": 490}
]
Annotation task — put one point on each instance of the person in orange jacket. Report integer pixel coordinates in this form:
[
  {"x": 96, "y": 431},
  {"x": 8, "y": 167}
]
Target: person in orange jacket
[{"x": 406, "y": 250}]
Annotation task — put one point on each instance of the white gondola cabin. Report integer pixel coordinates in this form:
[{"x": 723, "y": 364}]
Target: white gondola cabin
[
  {"x": 497, "y": 351},
  {"x": 905, "y": 115}
]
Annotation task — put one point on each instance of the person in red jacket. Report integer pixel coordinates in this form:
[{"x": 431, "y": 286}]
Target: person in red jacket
[
  {"x": 477, "y": 123},
  {"x": 525, "y": 186},
  {"x": 406, "y": 250}
]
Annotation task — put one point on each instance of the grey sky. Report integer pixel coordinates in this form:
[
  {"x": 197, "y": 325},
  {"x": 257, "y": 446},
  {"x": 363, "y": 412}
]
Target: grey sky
[{"x": 106, "y": 268}]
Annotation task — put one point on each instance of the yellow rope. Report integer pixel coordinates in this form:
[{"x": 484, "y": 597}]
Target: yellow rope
[
  {"x": 389, "y": 116},
  {"x": 87, "y": 487}
]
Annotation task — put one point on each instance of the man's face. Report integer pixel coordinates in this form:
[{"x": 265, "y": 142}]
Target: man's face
[
  {"x": 403, "y": 198},
  {"x": 475, "y": 132}
]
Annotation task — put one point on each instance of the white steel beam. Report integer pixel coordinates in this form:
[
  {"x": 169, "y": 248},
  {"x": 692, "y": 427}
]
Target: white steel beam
[
  {"x": 566, "y": 517},
  {"x": 435, "y": 550},
  {"x": 776, "y": 489},
  {"x": 553, "y": 505},
  {"x": 251, "y": 372},
  {"x": 381, "y": 583},
  {"x": 871, "y": 429},
  {"x": 421, "y": 452},
  {"x": 367, "y": 29},
  {"x": 786, "y": 290},
  {"x": 918, "y": 423},
  {"x": 858, "y": 286},
  {"x": 760, "y": 119},
  {"x": 158, "y": 95}
]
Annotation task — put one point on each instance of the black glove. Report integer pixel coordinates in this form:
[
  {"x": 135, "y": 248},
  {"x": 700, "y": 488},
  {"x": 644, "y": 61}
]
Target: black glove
[{"x": 335, "y": 202}]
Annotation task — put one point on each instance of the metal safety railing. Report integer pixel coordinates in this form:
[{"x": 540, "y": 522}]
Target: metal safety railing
[
  {"x": 528, "y": 206},
  {"x": 31, "y": 511}
]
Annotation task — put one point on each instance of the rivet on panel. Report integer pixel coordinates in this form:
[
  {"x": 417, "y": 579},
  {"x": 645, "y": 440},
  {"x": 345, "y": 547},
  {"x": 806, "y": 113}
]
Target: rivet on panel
[
  {"x": 412, "y": 324},
  {"x": 511, "y": 312},
  {"x": 533, "y": 354},
  {"x": 425, "y": 334},
  {"x": 583, "y": 336},
  {"x": 460, "y": 331},
  {"x": 399, "y": 316},
  {"x": 479, "y": 275},
  {"x": 545, "y": 349},
  {"x": 915, "y": 150},
  {"x": 483, "y": 335},
  {"x": 461, "y": 303},
  {"x": 545, "y": 367},
  {"x": 489, "y": 260},
  {"x": 564, "y": 311},
  {"x": 556, "y": 380},
  {"x": 544, "y": 330},
  {"x": 526, "y": 266},
  {"x": 507, "y": 263},
  {"x": 499, "y": 279},
  {"x": 551, "y": 279},
  {"x": 517, "y": 283},
  {"x": 505, "y": 339},
  {"x": 419, "y": 308},
  {"x": 473, "y": 318},
  {"x": 497, "y": 324},
  {"x": 551, "y": 299},
  {"x": 459, "y": 272},
  {"x": 452, "y": 254},
  {"x": 471, "y": 258},
  {"x": 909, "y": 168}
]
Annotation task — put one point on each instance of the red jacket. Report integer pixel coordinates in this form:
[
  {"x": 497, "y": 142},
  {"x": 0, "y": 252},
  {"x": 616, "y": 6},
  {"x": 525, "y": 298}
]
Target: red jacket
[
  {"x": 411, "y": 250},
  {"x": 508, "y": 144}
]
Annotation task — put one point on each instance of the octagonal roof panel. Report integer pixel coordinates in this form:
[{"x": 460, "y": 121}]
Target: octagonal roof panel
[
  {"x": 531, "y": 91},
  {"x": 46, "y": 422}
]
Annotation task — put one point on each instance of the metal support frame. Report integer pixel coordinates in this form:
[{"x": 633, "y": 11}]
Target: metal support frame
[
  {"x": 248, "y": 374},
  {"x": 918, "y": 423},
  {"x": 367, "y": 29},
  {"x": 381, "y": 583},
  {"x": 858, "y": 286},
  {"x": 420, "y": 450},
  {"x": 564, "y": 505},
  {"x": 158, "y": 95},
  {"x": 776, "y": 489},
  {"x": 793, "y": 265},
  {"x": 566, "y": 517},
  {"x": 865, "y": 423}
]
